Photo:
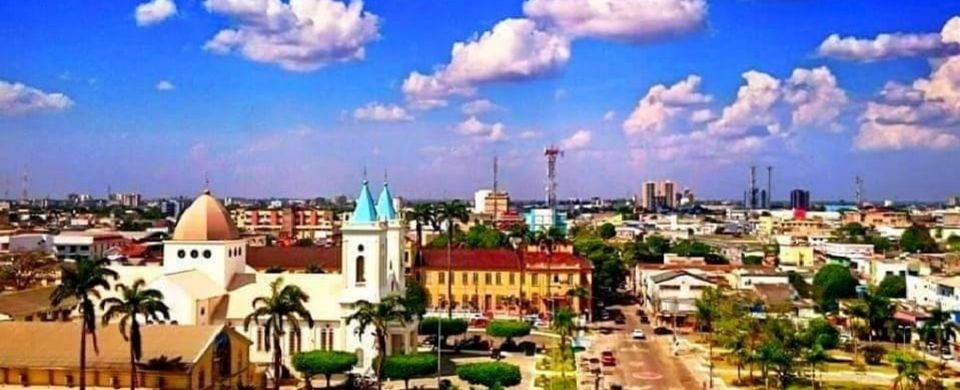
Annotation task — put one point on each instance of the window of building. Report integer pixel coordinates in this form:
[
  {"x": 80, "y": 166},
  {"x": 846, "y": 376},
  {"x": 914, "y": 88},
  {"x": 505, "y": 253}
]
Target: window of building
[
  {"x": 181, "y": 253},
  {"x": 475, "y": 278},
  {"x": 441, "y": 277},
  {"x": 207, "y": 254},
  {"x": 465, "y": 278},
  {"x": 361, "y": 271},
  {"x": 202, "y": 379},
  {"x": 512, "y": 278},
  {"x": 194, "y": 254},
  {"x": 533, "y": 279},
  {"x": 499, "y": 281},
  {"x": 487, "y": 278},
  {"x": 360, "y": 248},
  {"x": 569, "y": 278}
]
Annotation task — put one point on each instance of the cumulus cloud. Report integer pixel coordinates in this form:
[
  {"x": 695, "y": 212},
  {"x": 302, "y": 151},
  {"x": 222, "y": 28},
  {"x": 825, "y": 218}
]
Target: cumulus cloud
[
  {"x": 895, "y": 45},
  {"x": 531, "y": 134},
  {"x": 378, "y": 112},
  {"x": 662, "y": 104},
  {"x": 478, "y": 106},
  {"x": 481, "y": 131},
  {"x": 579, "y": 140},
  {"x": 609, "y": 115},
  {"x": 752, "y": 108},
  {"x": 514, "y": 50},
  {"x": 302, "y": 35},
  {"x": 154, "y": 11},
  {"x": 923, "y": 115},
  {"x": 816, "y": 97},
  {"x": 18, "y": 99},
  {"x": 164, "y": 85},
  {"x": 622, "y": 20}
]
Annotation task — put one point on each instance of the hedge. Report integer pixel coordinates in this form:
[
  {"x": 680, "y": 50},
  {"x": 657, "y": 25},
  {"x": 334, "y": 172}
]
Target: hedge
[
  {"x": 410, "y": 366},
  {"x": 493, "y": 375},
  {"x": 324, "y": 363},
  {"x": 508, "y": 328}
]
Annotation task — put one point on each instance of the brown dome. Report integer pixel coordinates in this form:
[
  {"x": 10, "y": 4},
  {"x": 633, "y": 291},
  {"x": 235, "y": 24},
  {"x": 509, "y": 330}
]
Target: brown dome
[{"x": 206, "y": 220}]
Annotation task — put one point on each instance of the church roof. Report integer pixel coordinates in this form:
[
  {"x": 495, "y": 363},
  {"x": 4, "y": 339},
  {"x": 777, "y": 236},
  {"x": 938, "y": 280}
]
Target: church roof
[
  {"x": 385, "y": 208},
  {"x": 206, "y": 220},
  {"x": 365, "y": 211}
]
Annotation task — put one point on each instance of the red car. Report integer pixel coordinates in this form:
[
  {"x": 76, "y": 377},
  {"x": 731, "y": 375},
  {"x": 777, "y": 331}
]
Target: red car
[{"x": 608, "y": 359}]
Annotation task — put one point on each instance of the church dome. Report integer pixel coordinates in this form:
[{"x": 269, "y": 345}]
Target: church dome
[{"x": 206, "y": 220}]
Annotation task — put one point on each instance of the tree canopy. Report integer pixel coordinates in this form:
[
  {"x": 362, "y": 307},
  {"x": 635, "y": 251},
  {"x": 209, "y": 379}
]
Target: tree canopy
[
  {"x": 493, "y": 375},
  {"x": 917, "y": 239},
  {"x": 415, "y": 298},
  {"x": 831, "y": 283},
  {"x": 326, "y": 363},
  {"x": 508, "y": 328},
  {"x": 448, "y": 326},
  {"x": 607, "y": 231},
  {"x": 406, "y": 367},
  {"x": 892, "y": 286}
]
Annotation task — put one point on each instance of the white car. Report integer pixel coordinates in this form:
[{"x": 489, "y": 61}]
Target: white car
[{"x": 639, "y": 335}]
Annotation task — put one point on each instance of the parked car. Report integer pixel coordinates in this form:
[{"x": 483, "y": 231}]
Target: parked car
[
  {"x": 616, "y": 387},
  {"x": 644, "y": 319},
  {"x": 605, "y": 315},
  {"x": 639, "y": 335},
  {"x": 662, "y": 330},
  {"x": 619, "y": 320},
  {"x": 608, "y": 359}
]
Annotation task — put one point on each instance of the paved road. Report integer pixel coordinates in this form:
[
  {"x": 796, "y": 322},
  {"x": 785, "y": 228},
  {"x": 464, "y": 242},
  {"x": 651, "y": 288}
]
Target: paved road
[{"x": 642, "y": 364}]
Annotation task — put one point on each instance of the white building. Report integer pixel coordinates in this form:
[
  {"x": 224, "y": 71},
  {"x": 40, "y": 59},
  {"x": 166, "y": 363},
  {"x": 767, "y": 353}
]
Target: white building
[
  {"x": 86, "y": 245},
  {"x": 205, "y": 279},
  {"x": 672, "y": 292}
]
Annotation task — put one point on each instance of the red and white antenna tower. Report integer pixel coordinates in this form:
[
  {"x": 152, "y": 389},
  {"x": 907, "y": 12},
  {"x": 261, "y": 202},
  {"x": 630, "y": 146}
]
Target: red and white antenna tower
[{"x": 552, "y": 152}]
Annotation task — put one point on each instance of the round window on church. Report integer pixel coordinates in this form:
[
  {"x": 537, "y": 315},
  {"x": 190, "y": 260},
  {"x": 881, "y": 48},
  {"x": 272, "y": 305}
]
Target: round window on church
[
  {"x": 181, "y": 253},
  {"x": 360, "y": 248},
  {"x": 207, "y": 254},
  {"x": 194, "y": 254}
]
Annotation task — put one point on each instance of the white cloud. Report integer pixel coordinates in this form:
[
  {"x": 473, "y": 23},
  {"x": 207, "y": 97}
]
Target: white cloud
[
  {"x": 624, "y": 20},
  {"x": 514, "y": 50},
  {"x": 17, "y": 99},
  {"x": 302, "y": 35},
  {"x": 816, "y": 97},
  {"x": 154, "y": 11},
  {"x": 531, "y": 134},
  {"x": 662, "y": 104},
  {"x": 894, "y": 45},
  {"x": 579, "y": 140},
  {"x": 378, "y": 112},
  {"x": 479, "y": 106},
  {"x": 480, "y": 131},
  {"x": 164, "y": 85},
  {"x": 923, "y": 115},
  {"x": 609, "y": 115}
]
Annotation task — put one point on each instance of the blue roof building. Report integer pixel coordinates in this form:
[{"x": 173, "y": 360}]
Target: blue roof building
[
  {"x": 385, "y": 210},
  {"x": 365, "y": 212}
]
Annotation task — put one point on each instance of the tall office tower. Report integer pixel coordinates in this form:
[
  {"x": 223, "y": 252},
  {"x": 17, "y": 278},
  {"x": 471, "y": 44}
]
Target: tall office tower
[
  {"x": 668, "y": 191},
  {"x": 649, "y": 195},
  {"x": 800, "y": 199}
]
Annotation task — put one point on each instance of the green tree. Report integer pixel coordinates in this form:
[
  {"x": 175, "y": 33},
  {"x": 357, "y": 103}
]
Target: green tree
[
  {"x": 548, "y": 240},
  {"x": 819, "y": 332},
  {"x": 814, "y": 356},
  {"x": 508, "y": 329},
  {"x": 326, "y": 363},
  {"x": 916, "y": 239},
  {"x": 909, "y": 368},
  {"x": 450, "y": 213},
  {"x": 564, "y": 324},
  {"x": 134, "y": 301},
  {"x": 939, "y": 329},
  {"x": 83, "y": 280},
  {"x": 284, "y": 304},
  {"x": 752, "y": 260},
  {"x": 706, "y": 307},
  {"x": 799, "y": 284},
  {"x": 448, "y": 327},
  {"x": 379, "y": 315},
  {"x": 658, "y": 245},
  {"x": 521, "y": 236},
  {"x": 607, "y": 231},
  {"x": 953, "y": 243},
  {"x": 485, "y": 237},
  {"x": 415, "y": 298},
  {"x": 493, "y": 375},
  {"x": 406, "y": 367},
  {"x": 22, "y": 270},
  {"x": 832, "y": 283},
  {"x": 421, "y": 215}
]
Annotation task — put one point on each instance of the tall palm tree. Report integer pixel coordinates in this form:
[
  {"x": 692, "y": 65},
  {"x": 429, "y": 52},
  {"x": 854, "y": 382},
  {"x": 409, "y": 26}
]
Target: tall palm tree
[
  {"x": 522, "y": 236},
  {"x": 859, "y": 314},
  {"x": 941, "y": 328},
  {"x": 421, "y": 215},
  {"x": 548, "y": 240},
  {"x": 379, "y": 315},
  {"x": 450, "y": 213},
  {"x": 706, "y": 313},
  {"x": 563, "y": 323},
  {"x": 284, "y": 304},
  {"x": 82, "y": 280},
  {"x": 134, "y": 301},
  {"x": 815, "y": 356}
]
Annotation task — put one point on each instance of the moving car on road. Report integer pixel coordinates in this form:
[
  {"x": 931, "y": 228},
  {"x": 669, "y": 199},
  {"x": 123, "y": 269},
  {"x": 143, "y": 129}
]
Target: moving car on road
[
  {"x": 608, "y": 359},
  {"x": 638, "y": 334}
]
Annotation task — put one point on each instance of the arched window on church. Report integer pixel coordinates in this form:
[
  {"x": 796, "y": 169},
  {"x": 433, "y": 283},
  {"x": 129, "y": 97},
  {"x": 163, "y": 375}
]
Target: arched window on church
[{"x": 361, "y": 271}]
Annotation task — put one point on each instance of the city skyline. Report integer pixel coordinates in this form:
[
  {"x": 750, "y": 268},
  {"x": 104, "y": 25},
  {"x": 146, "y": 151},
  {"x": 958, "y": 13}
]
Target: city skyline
[{"x": 158, "y": 96}]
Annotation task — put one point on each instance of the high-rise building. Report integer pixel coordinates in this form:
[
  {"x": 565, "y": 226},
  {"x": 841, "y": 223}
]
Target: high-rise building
[
  {"x": 800, "y": 199},
  {"x": 668, "y": 192},
  {"x": 649, "y": 195}
]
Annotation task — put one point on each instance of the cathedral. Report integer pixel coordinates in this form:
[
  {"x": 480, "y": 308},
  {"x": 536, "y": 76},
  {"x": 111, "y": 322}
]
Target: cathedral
[{"x": 205, "y": 279}]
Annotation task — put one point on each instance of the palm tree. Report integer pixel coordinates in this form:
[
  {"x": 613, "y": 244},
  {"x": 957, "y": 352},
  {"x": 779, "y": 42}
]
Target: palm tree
[
  {"x": 563, "y": 324},
  {"x": 379, "y": 315},
  {"x": 548, "y": 240},
  {"x": 285, "y": 303},
  {"x": 134, "y": 301},
  {"x": 521, "y": 236},
  {"x": 450, "y": 213},
  {"x": 908, "y": 369},
  {"x": 859, "y": 313},
  {"x": 81, "y": 280},
  {"x": 421, "y": 215},
  {"x": 815, "y": 356},
  {"x": 940, "y": 327},
  {"x": 706, "y": 312},
  {"x": 580, "y": 293}
]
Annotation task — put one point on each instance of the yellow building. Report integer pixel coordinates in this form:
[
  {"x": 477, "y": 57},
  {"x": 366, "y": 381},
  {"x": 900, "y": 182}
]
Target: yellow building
[
  {"x": 489, "y": 280},
  {"x": 796, "y": 255},
  {"x": 174, "y": 357}
]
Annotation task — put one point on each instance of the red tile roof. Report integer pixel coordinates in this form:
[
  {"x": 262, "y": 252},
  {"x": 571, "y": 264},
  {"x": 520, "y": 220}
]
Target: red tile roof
[
  {"x": 294, "y": 258},
  {"x": 499, "y": 259}
]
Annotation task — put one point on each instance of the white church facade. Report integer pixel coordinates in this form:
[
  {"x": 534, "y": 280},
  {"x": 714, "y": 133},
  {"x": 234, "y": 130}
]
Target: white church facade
[{"x": 205, "y": 279}]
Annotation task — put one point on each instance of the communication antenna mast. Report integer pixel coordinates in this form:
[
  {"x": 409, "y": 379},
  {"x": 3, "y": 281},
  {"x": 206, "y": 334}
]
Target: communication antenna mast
[
  {"x": 753, "y": 186},
  {"x": 26, "y": 181},
  {"x": 769, "y": 204},
  {"x": 552, "y": 152},
  {"x": 858, "y": 181},
  {"x": 496, "y": 193}
]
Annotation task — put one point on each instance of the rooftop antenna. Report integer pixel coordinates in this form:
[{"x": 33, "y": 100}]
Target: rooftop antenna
[
  {"x": 496, "y": 171},
  {"x": 552, "y": 152},
  {"x": 206, "y": 183},
  {"x": 769, "y": 187},
  {"x": 858, "y": 181},
  {"x": 26, "y": 181},
  {"x": 753, "y": 186}
]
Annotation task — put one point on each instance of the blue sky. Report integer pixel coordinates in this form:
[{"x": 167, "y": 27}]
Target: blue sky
[{"x": 280, "y": 98}]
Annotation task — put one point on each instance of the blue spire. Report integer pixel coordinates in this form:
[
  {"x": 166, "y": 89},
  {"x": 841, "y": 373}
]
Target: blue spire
[
  {"x": 385, "y": 208},
  {"x": 364, "y": 212}
]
